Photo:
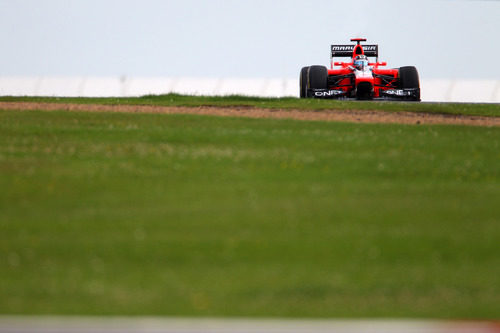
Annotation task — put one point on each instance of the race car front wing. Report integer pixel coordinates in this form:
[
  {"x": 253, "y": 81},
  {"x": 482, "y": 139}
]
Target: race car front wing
[
  {"x": 394, "y": 94},
  {"x": 412, "y": 94}
]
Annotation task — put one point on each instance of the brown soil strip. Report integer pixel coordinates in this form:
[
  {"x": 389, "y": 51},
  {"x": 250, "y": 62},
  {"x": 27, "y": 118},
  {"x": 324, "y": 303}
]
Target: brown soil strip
[{"x": 357, "y": 116}]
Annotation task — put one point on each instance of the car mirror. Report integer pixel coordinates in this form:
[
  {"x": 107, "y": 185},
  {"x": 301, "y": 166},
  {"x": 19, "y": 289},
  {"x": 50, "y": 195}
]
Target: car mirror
[{"x": 383, "y": 63}]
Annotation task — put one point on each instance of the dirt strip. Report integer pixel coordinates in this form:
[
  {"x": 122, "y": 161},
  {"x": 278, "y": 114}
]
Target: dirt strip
[{"x": 357, "y": 116}]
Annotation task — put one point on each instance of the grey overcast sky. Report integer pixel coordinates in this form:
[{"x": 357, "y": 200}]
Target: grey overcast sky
[{"x": 243, "y": 38}]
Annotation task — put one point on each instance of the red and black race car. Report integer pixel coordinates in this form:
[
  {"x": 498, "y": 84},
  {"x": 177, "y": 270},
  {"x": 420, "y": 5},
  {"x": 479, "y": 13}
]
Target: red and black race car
[{"x": 359, "y": 78}]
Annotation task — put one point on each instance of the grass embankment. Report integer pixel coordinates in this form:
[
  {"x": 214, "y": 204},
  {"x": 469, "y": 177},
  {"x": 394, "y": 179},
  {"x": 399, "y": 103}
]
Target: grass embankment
[
  {"x": 150, "y": 214},
  {"x": 472, "y": 109}
]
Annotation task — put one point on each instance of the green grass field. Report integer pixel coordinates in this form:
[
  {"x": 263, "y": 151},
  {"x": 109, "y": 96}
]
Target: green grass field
[
  {"x": 151, "y": 214},
  {"x": 473, "y": 109}
]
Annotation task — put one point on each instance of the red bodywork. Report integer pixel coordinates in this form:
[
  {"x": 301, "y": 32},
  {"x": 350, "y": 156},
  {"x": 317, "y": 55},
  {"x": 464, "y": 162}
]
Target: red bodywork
[
  {"x": 378, "y": 84},
  {"x": 381, "y": 79}
]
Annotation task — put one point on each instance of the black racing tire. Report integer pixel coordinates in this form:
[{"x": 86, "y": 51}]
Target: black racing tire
[
  {"x": 408, "y": 79},
  {"x": 317, "y": 77},
  {"x": 303, "y": 82}
]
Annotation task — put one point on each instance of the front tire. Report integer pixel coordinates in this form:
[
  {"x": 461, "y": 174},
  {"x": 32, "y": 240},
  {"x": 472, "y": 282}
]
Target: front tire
[
  {"x": 317, "y": 77},
  {"x": 408, "y": 79}
]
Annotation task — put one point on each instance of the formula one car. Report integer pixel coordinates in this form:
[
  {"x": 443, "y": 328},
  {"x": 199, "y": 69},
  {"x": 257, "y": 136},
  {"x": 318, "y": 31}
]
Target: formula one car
[{"x": 359, "y": 78}]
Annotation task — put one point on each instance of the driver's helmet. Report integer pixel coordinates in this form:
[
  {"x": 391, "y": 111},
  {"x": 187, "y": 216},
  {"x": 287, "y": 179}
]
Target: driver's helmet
[{"x": 361, "y": 62}]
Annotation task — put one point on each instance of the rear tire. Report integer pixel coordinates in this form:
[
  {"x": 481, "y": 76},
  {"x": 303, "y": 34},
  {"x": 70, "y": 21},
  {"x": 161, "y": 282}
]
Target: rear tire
[
  {"x": 408, "y": 79},
  {"x": 317, "y": 77},
  {"x": 303, "y": 82}
]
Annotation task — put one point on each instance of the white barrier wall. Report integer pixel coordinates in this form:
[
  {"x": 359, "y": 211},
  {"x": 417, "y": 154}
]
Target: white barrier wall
[{"x": 485, "y": 91}]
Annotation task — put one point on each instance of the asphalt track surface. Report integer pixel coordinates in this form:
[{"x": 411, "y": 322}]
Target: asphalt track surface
[
  {"x": 44, "y": 324},
  {"x": 357, "y": 116}
]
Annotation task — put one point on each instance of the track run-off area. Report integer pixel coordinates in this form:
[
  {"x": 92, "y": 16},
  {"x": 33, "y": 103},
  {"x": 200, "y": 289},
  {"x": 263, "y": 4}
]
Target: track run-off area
[
  {"x": 357, "y": 116},
  {"x": 41, "y": 324}
]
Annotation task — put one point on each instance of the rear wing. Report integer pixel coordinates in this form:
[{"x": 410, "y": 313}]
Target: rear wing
[
  {"x": 352, "y": 50},
  {"x": 347, "y": 50}
]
